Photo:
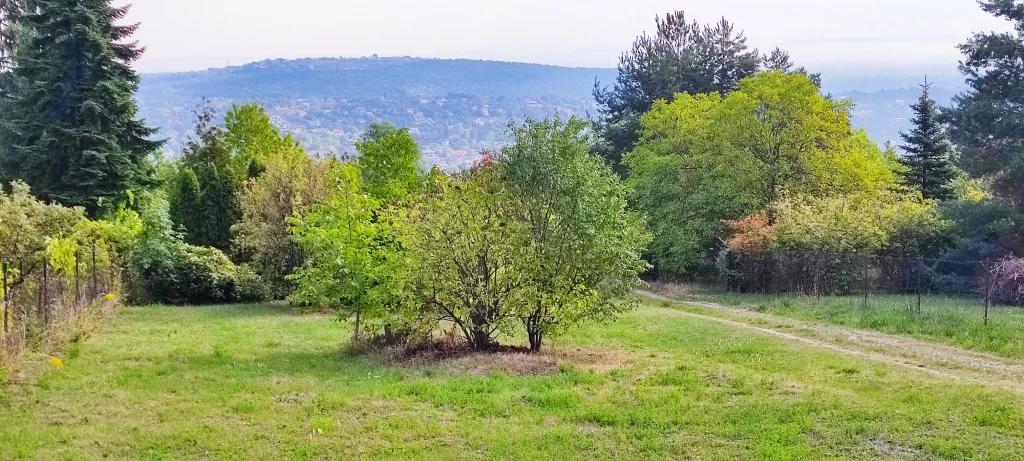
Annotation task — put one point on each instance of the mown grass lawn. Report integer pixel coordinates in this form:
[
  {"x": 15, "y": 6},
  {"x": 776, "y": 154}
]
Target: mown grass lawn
[
  {"x": 260, "y": 382},
  {"x": 953, "y": 320}
]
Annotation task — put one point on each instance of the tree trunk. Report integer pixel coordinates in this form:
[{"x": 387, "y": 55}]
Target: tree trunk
[
  {"x": 536, "y": 341},
  {"x": 355, "y": 335}
]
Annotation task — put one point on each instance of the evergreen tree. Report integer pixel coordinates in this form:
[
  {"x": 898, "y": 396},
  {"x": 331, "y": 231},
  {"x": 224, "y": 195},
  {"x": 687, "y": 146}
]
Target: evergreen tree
[
  {"x": 203, "y": 199},
  {"x": 987, "y": 122},
  {"x": 928, "y": 152},
  {"x": 682, "y": 57},
  {"x": 69, "y": 126}
]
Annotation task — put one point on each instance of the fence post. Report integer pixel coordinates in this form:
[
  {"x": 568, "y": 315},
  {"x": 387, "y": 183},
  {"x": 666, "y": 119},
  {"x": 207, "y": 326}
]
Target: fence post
[
  {"x": 95, "y": 284},
  {"x": 44, "y": 296},
  {"x": 78, "y": 291},
  {"x": 988, "y": 292},
  {"x": 920, "y": 268},
  {"x": 866, "y": 261},
  {"x": 7, "y": 295},
  {"x": 817, "y": 275}
]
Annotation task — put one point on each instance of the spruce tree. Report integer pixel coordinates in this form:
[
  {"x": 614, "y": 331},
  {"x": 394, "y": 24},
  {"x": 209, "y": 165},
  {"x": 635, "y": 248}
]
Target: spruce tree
[
  {"x": 69, "y": 126},
  {"x": 927, "y": 158}
]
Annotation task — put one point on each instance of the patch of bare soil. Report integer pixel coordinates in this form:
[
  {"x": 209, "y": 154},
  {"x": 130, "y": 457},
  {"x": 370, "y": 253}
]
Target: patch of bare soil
[
  {"x": 937, "y": 359},
  {"x": 458, "y": 358},
  {"x": 527, "y": 364}
]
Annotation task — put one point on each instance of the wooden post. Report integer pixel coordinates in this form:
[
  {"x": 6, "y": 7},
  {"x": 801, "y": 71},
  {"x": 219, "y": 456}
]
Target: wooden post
[
  {"x": 95, "y": 283},
  {"x": 817, "y": 275},
  {"x": 78, "y": 290},
  {"x": 7, "y": 295},
  {"x": 988, "y": 293},
  {"x": 920, "y": 267},
  {"x": 867, "y": 283},
  {"x": 44, "y": 298}
]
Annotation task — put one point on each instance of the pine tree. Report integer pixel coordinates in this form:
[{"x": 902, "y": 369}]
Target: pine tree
[
  {"x": 987, "y": 121},
  {"x": 927, "y": 158},
  {"x": 69, "y": 126}
]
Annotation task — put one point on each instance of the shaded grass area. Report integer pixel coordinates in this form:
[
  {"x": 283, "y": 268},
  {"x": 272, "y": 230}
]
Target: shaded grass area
[
  {"x": 952, "y": 320},
  {"x": 258, "y": 382}
]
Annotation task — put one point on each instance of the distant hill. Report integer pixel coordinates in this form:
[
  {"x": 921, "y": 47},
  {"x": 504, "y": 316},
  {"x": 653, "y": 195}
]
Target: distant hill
[
  {"x": 885, "y": 113},
  {"x": 455, "y": 108}
]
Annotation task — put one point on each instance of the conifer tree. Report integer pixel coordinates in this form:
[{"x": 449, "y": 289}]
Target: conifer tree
[
  {"x": 68, "y": 121},
  {"x": 987, "y": 121},
  {"x": 929, "y": 168},
  {"x": 202, "y": 199}
]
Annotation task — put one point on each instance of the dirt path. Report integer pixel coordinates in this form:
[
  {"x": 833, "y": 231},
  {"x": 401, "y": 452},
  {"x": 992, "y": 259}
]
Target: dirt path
[{"x": 937, "y": 359}]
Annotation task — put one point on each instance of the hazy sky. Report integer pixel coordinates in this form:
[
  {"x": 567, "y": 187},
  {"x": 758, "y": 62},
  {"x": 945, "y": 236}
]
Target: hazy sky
[{"x": 860, "y": 35}]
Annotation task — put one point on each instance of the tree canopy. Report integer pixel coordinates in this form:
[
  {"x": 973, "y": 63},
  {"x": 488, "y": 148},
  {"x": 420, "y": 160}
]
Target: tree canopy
[
  {"x": 69, "y": 124},
  {"x": 987, "y": 121},
  {"x": 682, "y": 57},
  {"x": 708, "y": 158}
]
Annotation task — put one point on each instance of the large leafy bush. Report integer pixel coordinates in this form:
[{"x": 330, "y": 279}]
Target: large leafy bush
[{"x": 168, "y": 270}]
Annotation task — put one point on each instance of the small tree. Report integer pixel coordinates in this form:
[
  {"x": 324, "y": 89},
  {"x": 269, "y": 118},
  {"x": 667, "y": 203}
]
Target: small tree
[
  {"x": 390, "y": 161},
  {"x": 929, "y": 168},
  {"x": 354, "y": 266},
  {"x": 583, "y": 251},
  {"x": 255, "y": 140},
  {"x": 468, "y": 247}
]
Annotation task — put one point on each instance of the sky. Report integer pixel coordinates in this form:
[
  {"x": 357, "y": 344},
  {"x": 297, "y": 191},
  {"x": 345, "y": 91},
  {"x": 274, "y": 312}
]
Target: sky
[{"x": 865, "y": 36}]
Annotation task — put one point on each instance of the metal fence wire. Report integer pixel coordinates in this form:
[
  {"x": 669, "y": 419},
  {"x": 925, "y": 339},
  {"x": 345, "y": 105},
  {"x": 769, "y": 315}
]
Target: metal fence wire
[
  {"x": 835, "y": 274},
  {"x": 38, "y": 298}
]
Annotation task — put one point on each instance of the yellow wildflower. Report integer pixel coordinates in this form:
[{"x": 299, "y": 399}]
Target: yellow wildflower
[
  {"x": 57, "y": 363},
  {"x": 110, "y": 297}
]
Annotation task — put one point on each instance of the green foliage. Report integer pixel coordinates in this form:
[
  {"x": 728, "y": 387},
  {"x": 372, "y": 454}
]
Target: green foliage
[
  {"x": 583, "y": 252},
  {"x": 255, "y": 140},
  {"x": 470, "y": 251},
  {"x": 864, "y": 224},
  {"x": 929, "y": 166},
  {"x": 390, "y": 161},
  {"x": 354, "y": 266},
  {"x": 987, "y": 122},
  {"x": 704, "y": 159},
  {"x": 681, "y": 58},
  {"x": 202, "y": 193},
  {"x": 27, "y": 225},
  {"x": 168, "y": 270},
  {"x": 536, "y": 238},
  {"x": 289, "y": 187},
  {"x": 68, "y": 124}
]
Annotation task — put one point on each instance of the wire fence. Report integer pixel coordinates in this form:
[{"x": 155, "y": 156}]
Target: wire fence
[
  {"x": 835, "y": 274},
  {"x": 39, "y": 298}
]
